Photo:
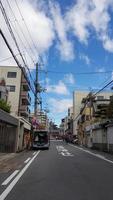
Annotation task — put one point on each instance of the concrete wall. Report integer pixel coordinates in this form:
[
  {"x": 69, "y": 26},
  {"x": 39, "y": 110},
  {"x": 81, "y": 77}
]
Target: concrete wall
[
  {"x": 98, "y": 137},
  {"x": 110, "y": 138},
  {"x": 101, "y": 138}
]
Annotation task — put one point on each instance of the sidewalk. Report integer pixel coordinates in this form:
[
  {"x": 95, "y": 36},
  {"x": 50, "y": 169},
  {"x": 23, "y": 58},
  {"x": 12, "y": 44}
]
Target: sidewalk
[
  {"x": 5, "y": 160},
  {"x": 12, "y": 161},
  {"x": 6, "y": 156}
]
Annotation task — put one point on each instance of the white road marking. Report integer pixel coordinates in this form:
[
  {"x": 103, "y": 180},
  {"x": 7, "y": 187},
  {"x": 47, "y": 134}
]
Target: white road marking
[
  {"x": 56, "y": 140},
  {"x": 34, "y": 153},
  {"x": 63, "y": 151},
  {"x": 96, "y": 155},
  {"x": 13, "y": 183},
  {"x": 26, "y": 161},
  {"x": 10, "y": 177},
  {"x": 66, "y": 154}
]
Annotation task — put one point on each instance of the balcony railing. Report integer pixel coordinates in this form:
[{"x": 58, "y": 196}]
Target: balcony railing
[{"x": 25, "y": 98}]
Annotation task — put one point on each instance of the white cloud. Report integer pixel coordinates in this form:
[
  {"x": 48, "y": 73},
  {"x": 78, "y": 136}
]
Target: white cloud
[
  {"x": 77, "y": 20},
  {"x": 86, "y": 16},
  {"x": 59, "y": 106},
  {"x": 47, "y": 26},
  {"x": 85, "y": 58},
  {"x": 64, "y": 45},
  {"x": 108, "y": 44},
  {"x": 69, "y": 78},
  {"x": 60, "y": 88},
  {"x": 40, "y": 27}
]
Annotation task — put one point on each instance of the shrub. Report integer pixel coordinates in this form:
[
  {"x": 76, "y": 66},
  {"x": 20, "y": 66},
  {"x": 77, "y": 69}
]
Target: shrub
[{"x": 5, "y": 106}]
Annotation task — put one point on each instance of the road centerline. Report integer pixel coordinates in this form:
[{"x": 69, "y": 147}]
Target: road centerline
[
  {"x": 26, "y": 161},
  {"x": 10, "y": 177}
]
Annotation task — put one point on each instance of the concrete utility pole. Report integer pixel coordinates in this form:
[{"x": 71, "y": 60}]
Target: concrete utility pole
[{"x": 36, "y": 91}]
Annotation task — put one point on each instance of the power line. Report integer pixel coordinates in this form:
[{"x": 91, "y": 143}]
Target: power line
[
  {"x": 8, "y": 58},
  {"x": 21, "y": 32},
  {"x": 15, "y": 58},
  {"x": 105, "y": 82},
  {"x": 76, "y": 73},
  {"x": 10, "y": 30},
  {"x": 103, "y": 87},
  {"x": 27, "y": 28},
  {"x": 13, "y": 36},
  {"x": 94, "y": 95}
]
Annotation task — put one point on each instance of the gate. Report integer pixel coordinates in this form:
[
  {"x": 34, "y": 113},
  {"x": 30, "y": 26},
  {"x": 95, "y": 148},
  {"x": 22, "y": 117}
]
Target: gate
[{"x": 7, "y": 137}]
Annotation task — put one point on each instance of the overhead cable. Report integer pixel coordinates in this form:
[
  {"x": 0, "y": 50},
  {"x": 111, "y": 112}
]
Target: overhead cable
[
  {"x": 21, "y": 32},
  {"x": 13, "y": 36},
  {"x": 27, "y": 27}
]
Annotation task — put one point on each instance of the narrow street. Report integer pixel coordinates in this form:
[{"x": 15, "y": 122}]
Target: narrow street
[{"x": 61, "y": 173}]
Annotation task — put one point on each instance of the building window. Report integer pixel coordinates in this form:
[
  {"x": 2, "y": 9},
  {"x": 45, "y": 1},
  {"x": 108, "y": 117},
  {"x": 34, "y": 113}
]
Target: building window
[
  {"x": 11, "y": 88},
  {"x": 11, "y": 74}
]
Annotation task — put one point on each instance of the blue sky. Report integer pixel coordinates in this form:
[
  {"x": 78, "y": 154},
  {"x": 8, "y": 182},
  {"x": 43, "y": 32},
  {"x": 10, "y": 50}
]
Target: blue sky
[{"x": 72, "y": 37}]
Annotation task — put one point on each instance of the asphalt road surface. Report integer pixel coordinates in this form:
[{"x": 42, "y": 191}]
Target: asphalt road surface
[{"x": 64, "y": 172}]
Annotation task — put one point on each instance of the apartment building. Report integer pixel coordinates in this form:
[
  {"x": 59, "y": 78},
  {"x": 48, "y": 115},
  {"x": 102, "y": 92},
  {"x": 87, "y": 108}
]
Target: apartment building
[
  {"x": 93, "y": 116},
  {"x": 77, "y": 98},
  {"x": 18, "y": 90}
]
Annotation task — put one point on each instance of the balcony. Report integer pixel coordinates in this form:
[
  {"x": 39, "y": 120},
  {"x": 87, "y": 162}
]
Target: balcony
[
  {"x": 25, "y": 84},
  {"x": 25, "y": 98},
  {"x": 24, "y": 111}
]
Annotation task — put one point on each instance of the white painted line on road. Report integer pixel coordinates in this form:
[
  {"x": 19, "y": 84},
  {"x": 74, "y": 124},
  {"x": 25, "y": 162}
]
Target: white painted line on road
[
  {"x": 66, "y": 154},
  {"x": 96, "y": 155},
  {"x": 34, "y": 153},
  {"x": 13, "y": 183},
  {"x": 63, "y": 151},
  {"x": 56, "y": 140},
  {"x": 26, "y": 161},
  {"x": 10, "y": 177}
]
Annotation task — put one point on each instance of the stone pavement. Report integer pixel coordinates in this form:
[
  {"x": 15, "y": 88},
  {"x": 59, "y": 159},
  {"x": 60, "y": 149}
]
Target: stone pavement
[
  {"x": 6, "y": 159},
  {"x": 12, "y": 161}
]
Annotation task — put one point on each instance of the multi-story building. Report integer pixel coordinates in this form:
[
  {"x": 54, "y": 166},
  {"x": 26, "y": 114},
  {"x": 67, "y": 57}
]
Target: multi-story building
[
  {"x": 93, "y": 112},
  {"x": 77, "y": 98},
  {"x": 62, "y": 127},
  {"x": 18, "y": 90}
]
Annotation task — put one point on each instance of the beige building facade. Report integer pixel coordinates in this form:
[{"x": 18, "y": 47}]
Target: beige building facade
[
  {"x": 77, "y": 98},
  {"x": 18, "y": 90}
]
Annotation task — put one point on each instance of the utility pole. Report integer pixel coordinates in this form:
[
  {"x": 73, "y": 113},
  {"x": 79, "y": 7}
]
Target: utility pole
[{"x": 36, "y": 91}]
